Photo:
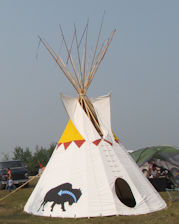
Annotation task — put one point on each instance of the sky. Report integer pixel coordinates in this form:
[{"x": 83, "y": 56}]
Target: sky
[{"x": 140, "y": 69}]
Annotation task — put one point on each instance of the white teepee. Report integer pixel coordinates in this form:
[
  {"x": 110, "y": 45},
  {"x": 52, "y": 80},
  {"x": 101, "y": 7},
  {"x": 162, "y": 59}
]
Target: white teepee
[{"x": 90, "y": 173}]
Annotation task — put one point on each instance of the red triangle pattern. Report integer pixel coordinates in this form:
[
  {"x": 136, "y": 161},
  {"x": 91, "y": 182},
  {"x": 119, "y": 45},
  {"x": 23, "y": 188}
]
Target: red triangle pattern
[
  {"x": 108, "y": 141},
  {"x": 66, "y": 144},
  {"x": 79, "y": 143},
  {"x": 96, "y": 142},
  {"x": 59, "y": 144}
]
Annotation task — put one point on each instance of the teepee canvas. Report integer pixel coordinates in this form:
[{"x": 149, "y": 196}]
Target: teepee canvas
[{"x": 90, "y": 173}]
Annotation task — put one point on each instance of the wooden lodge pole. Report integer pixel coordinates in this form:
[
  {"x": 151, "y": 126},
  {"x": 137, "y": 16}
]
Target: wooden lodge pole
[{"x": 6, "y": 196}]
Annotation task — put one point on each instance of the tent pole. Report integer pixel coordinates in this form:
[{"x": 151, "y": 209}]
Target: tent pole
[{"x": 2, "y": 199}]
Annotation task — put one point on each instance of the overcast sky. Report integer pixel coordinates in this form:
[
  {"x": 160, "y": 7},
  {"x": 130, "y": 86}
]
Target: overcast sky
[{"x": 141, "y": 69}]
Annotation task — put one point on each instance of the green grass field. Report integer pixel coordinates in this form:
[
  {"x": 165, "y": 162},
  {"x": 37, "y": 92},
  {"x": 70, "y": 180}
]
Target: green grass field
[{"x": 11, "y": 212}]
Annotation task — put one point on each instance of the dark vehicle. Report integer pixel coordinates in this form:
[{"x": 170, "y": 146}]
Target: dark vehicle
[{"x": 19, "y": 173}]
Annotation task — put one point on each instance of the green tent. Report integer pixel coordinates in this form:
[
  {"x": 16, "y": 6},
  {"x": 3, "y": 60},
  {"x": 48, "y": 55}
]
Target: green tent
[
  {"x": 166, "y": 153},
  {"x": 164, "y": 156}
]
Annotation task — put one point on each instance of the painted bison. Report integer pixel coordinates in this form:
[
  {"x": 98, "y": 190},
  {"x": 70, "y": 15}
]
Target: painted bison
[{"x": 61, "y": 194}]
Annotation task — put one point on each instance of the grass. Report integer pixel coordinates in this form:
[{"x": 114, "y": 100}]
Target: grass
[{"x": 11, "y": 212}]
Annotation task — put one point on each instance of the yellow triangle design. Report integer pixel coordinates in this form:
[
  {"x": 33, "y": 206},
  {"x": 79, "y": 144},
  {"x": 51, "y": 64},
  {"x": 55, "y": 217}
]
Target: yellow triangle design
[
  {"x": 115, "y": 137},
  {"x": 70, "y": 134}
]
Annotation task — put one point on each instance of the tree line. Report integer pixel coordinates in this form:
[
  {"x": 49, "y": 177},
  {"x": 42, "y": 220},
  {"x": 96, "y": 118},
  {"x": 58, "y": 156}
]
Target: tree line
[{"x": 33, "y": 160}]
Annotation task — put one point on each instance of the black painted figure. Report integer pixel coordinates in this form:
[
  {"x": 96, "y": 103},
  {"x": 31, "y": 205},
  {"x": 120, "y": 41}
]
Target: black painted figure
[{"x": 61, "y": 194}]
